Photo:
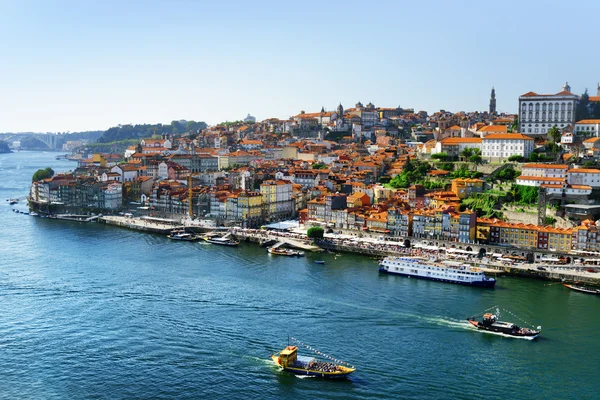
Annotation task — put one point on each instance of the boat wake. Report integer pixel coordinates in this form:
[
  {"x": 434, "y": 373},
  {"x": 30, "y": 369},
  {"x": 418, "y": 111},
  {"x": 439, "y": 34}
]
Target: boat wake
[{"x": 451, "y": 323}]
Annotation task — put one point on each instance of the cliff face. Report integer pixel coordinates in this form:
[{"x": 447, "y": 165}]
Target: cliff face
[{"x": 4, "y": 147}]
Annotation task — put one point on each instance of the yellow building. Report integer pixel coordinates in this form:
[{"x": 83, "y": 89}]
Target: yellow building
[{"x": 463, "y": 188}]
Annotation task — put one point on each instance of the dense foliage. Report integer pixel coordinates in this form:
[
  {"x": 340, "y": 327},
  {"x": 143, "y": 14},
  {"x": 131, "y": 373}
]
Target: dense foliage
[
  {"x": 42, "y": 174},
  {"x": 586, "y": 109},
  {"x": 464, "y": 172},
  {"x": 507, "y": 174},
  {"x": 412, "y": 172},
  {"x": 442, "y": 156},
  {"x": 524, "y": 195},
  {"x": 316, "y": 232},
  {"x": 140, "y": 131},
  {"x": 117, "y": 147},
  {"x": 483, "y": 204}
]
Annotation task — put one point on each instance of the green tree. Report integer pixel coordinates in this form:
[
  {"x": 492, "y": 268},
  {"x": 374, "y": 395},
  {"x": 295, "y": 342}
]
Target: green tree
[
  {"x": 514, "y": 126},
  {"x": 318, "y": 166},
  {"x": 42, "y": 174},
  {"x": 466, "y": 153},
  {"x": 316, "y": 232},
  {"x": 516, "y": 158},
  {"x": 442, "y": 156},
  {"x": 554, "y": 134},
  {"x": 582, "y": 110}
]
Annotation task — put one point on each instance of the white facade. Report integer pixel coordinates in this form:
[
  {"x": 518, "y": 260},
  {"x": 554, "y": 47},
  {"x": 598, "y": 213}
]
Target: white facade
[
  {"x": 545, "y": 170},
  {"x": 163, "y": 170},
  {"x": 587, "y": 127},
  {"x": 566, "y": 138},
  {"x": 569, "y": 190},
  {"x": 540, "y": 112},
  {"x": 537, "y": 181},
  {"x": 500, "y": 146},
  {"x": 584, "y": 176},
  {"x": 113, "y": 196}
]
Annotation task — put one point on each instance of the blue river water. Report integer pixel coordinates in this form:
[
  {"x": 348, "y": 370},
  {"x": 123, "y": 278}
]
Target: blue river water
[{"x": 90, "y": 311}]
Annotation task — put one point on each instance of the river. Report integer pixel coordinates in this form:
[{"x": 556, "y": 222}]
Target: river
[{"x": 91, "y": 311}]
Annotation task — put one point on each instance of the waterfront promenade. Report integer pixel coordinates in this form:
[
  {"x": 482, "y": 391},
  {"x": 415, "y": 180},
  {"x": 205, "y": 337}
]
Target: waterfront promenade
[{"x": 381, "y": 248}]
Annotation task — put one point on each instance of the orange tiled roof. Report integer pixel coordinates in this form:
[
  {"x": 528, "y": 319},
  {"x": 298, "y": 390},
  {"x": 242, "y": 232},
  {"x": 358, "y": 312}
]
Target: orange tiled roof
[
  {"x": 507, "y": 136},
  {"x": 549, "y": 166},
  {"x": 457, "y": 140},
  {"x": 585, "y": 171},
  {"x": 589, "y": 121}
]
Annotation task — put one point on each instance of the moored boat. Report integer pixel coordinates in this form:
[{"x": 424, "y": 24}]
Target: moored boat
[
  {"x": 583, "y": 289},
  {"x": 181, "y": 235},
  {"x": 490, "y": 324},
  {"x": 284, "y": 252},
  {"x": 446, "y": 271},
  {"x": 289, "y": 360},
  {"x": 221, "y": 241},
  {"x": 319, "y": 262}
]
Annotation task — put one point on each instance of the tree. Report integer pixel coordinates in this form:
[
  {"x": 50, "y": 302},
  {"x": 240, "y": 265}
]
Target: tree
[
  {"x": 42, "y": 174},
  {"x": 582, "y": 110},
  {"x": 318, "y": 166},
  {"x": 475, "y": 157},
  {"x": 554, "y": 134},
  {"x": 440, "y": 156},
  {"x": 466, "y": 153},
  {"x": 516, "y": 158},
  {"x": 515, "y": 125},
  {"x": 316, "y": 232}
]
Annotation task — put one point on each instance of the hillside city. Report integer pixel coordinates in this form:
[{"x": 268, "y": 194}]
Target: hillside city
[{"x": 529, "y": 179}]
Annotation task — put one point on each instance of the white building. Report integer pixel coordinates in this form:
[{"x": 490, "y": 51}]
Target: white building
[
  {"x": 584, "y": 176},
  {"x": 537, "y": 181},
  {"x": 453, "y": 146},
  {"x": 500, "y": 146},
  {"x": 540, "y": 112},
  {"x": 587, "y": 127},
  {"x": 569, "y": 190},
  {"x": 545, "y": 170},
  {"x": 113, "y": 196}
]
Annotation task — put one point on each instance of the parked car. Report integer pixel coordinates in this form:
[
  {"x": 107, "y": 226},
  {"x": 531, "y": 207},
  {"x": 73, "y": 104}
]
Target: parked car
[
  {"x": 591, "y": 270},
  {"x": 541, "y": 269}
]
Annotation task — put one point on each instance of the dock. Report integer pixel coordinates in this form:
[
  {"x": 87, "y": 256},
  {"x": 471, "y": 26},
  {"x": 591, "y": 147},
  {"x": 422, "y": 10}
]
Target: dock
[{"x": 140, "y": 224}]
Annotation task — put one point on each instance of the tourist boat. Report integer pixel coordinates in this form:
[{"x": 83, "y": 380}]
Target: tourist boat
[
  {"x": 446, "y": 271},
  {"x": 284, "y": 252},
  {"x": 490, "y": 324},
  {"x": 289, "y": 360},
  {"x": 221, "y": 241},
  {"x": 179, "y": 235},
  {"x": 583, "y": 289}
]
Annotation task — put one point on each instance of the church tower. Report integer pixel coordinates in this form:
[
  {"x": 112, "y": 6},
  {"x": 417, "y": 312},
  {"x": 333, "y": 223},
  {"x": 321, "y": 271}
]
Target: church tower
[
  {"x": 566, "y": 88},
  {"x": 493, "y": 101}
]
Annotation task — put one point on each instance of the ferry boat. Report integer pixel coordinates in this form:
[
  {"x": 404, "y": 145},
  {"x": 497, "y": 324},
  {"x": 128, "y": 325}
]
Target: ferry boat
[
  {"x": 491, "y": 324},
  {"x": 284, "y": 252},
  {"x": 289, "y": 360},
  {"x": 221, "y": 241},
  {"x": 583, "y": 289},
  {"x": 447, "y": 271},
  {"x": 179, "y": 235}
]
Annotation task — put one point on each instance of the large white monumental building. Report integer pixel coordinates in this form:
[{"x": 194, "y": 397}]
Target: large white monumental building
[{"x": 540, "y": 112}]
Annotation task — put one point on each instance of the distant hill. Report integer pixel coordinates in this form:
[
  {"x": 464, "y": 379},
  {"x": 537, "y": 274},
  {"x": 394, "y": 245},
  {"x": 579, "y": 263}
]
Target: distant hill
[
  {"x": 140, "y": 131},
  {"x": 4, "y": 147}
]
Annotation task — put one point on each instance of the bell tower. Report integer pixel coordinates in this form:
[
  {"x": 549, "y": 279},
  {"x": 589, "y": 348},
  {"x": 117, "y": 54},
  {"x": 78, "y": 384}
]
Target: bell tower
[{"x": 493, "y": 101}]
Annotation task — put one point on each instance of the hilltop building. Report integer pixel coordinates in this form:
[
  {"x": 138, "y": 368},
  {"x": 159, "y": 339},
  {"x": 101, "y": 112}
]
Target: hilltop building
[{"x": 540, "y": 112}]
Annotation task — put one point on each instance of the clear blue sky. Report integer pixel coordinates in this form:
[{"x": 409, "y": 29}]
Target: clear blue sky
[{"x": 83, "y": 65}]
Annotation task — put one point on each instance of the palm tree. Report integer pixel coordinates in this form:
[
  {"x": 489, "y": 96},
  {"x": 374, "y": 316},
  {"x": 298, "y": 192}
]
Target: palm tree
[
  {"x": 466, "y": 153},
  {"x": 554, "y": 134}
]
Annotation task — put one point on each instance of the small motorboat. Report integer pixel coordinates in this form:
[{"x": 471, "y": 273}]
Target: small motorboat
[
  {"x": 319, "y": 262},
  {"x": 582, "y": 289},
  {"x": 491, "y": 324},
  {"x": 181, "y": 235}
]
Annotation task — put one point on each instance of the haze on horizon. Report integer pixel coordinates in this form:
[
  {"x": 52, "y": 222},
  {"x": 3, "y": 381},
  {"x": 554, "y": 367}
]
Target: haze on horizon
[{"x": 76, "y": 66}]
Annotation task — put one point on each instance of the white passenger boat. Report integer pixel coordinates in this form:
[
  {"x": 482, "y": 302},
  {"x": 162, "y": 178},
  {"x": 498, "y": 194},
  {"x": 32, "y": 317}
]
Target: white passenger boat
[{"x": 446, "y": 271}]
